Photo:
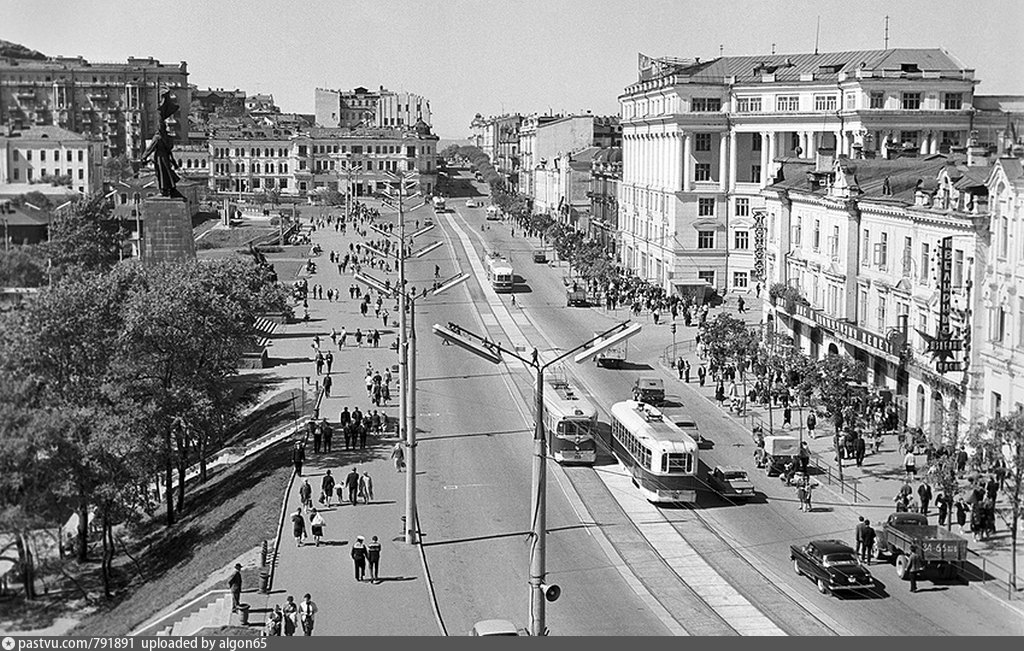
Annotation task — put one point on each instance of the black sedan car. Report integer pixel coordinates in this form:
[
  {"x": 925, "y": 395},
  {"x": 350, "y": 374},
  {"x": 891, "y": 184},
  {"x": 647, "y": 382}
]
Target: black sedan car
[{"x": 832, "y": 564}]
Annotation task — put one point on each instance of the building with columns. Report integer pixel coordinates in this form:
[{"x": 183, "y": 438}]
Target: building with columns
[{"x": 702, "y": 138}]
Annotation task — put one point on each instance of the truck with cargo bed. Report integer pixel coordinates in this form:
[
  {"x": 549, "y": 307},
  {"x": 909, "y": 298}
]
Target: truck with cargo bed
[{"x": 940, "y": 548}]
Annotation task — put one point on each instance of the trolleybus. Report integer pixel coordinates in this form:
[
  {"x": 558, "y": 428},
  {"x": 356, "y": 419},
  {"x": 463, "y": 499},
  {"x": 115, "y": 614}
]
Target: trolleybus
[
  {"x": 499, "y": 272},
  {"x": 570, "y": 420},
  {"x": 661, "y": 457}
]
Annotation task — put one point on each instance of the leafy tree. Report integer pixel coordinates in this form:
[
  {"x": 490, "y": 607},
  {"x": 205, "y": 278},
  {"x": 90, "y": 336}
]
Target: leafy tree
[
  {"x": 36, "y": 198},
  {"x": 728, "y": 341},
  {"x": 1003, "y": 440},
  {"x": 22, "y": 266},
  {"x": 117, "y": 168},
  {"x": 835, "y": 374},
  {"x": 85, "y": 238}
]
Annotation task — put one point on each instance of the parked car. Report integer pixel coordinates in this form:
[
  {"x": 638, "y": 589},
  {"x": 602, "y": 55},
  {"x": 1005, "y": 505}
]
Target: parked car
[
  {"x": 650, "y": 390},
  {"x": 832, "y": 564},
  {"x": 732, "y": 482},
  {"x": 540, "y": 257},
  {"x": 491, "y": 627},
  {"x": 684, "y": 421},
  {"x": 576, "y": 297},
  {"x": 470, "y": 203}
]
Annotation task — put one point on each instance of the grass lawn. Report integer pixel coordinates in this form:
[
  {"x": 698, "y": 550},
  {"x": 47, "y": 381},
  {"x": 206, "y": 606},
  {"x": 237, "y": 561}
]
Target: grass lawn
[
  {"x": 233, "y": 238},
  {"x": 236, "y": 509}
]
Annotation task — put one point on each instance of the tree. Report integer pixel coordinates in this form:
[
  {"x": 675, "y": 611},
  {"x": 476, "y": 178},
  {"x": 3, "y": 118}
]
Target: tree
[
  {"x": 1003, "y": 440},
  {"x": 22, "y": 266},
  {"x": 117, "y": 168},
  {"x": 728, "y": 341},
  {"x": 85, "y": 238},
  {"x": 835, "y": 374}
]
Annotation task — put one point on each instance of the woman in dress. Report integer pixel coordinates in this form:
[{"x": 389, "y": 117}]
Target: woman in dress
[{"x": 316, "y": 525}]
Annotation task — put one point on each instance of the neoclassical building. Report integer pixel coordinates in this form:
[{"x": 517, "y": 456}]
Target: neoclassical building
[{"x": 701, "y": 139}]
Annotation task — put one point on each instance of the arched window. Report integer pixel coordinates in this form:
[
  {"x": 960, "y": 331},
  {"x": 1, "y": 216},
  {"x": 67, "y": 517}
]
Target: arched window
[{"x": 920, "y": 406}]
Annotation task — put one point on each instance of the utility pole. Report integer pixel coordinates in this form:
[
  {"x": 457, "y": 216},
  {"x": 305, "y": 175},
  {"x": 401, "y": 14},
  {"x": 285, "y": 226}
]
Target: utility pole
[{"x": 540, "y": 593}]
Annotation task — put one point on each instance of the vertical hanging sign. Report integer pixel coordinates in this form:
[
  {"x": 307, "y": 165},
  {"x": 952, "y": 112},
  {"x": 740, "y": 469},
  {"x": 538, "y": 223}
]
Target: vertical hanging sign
[
  {"x": 759, "y": 244},
  {"x": 945, "y": 285}
]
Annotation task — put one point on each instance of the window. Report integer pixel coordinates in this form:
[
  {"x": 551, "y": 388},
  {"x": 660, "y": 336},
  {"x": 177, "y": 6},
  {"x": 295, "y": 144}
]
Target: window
[
  {"x": 702, "y": 142},
  {"x": 706, "y": 207},
  {"x": 705, "y": 104},
  {"x": 69, "y": 152},
  {"x": 877, "y": 100},
  {"x": 17, "y": 173},
  {"x": 910, "y": 101},
  {"x": 42, "y": 154},
  {"x": 705, "y": 239},
  {"x": 925, "y": 263},
  {"x": 81, "y": 174},
  {"x": 997, "y": 405},
  {"x": 742, "y": 240},
  {"x": 28, "y": 155},
  {"x": 862, "y": 305},
  {"x": 997, "y": 324},
  {"x": 817, "y": 234},
  {"x": 742, "y": 207},
  {"x": 707, "y": 276},
  {"x": 739, "y": 279},
  {"x": 1004, "y": 236},
  {"x": 702, "y": 172},
  {"x": 882, "y": 308},
  {"x": 797, "y": 228},
  {"x": 748, "y": 104},
  {"x": 787, "y": 103},
  {"x": 825, "y": 102},
  {"x": 756, "y": 142},
  {"x": 865, "y": 252},
  {"x": 952, "y": 101},
  {"x": 909, "y": 137},
  {"x": 958, "y": 268},
  {"x": 908, "y": 255},
  {"x": 1020, "y": 322},
  {"x": 882, "y": 251},
  {"x": 850, "y": 100}
]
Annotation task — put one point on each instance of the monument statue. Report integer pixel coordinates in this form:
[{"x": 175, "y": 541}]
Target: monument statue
[{"x": 161, "y": 149}]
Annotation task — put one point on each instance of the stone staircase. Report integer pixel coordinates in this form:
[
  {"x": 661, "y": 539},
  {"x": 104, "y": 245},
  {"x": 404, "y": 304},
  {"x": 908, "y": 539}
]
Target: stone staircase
[{"x": 212, "y": 609}]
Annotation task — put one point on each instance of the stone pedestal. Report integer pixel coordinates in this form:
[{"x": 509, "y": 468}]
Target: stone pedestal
[{"x": 167, "y": 230}]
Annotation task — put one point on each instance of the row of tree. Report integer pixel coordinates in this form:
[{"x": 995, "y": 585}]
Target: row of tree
[{"x": 114, "y": 374}]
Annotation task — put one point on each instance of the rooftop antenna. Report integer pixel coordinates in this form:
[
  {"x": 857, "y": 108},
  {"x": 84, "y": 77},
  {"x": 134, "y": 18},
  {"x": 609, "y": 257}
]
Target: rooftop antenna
[
  {"x": 817, "y": 33},
  {"x": 886, "y": 33},
  {"x": 721, "y": 49},
  {"x": 773, "y": 48}
]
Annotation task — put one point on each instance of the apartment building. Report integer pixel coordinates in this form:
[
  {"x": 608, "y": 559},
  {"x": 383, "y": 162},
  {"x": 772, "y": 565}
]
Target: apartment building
[
  {"x": 113, "y": 102},
  {"x": 369, "y": 108},
  {"x": 702, "y": 138},
  {"x": 605, "y": 177}
]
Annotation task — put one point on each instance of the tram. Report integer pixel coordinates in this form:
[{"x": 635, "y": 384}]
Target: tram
[
  {"x": 661, "y": 457},
  {"x": 570, "y": 421},
  {"x": 500, "y": 273}
]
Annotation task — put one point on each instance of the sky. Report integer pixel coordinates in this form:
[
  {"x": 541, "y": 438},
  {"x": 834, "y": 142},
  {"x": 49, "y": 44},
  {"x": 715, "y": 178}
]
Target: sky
[{"x": 496, "y": 56}]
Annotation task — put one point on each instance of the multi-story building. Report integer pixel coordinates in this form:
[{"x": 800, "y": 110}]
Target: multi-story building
[
  {"x": 864, "y": 242},
  {"x": 216, "y": 102},
  {"x": 527, "y": 146},
  {"x": 362, "y": 107},
  {"x": 49, "y": 154},
  {"x": 545, "y": 139},
  {"x": 498, "y": 137},
  {"x": 998, "y": 343},
  {"x": 114, "y": 102},
  {"x": 307, "y": 161},
  {"x": 605, "y": 177},
  {"x": 702, "y": 138}
]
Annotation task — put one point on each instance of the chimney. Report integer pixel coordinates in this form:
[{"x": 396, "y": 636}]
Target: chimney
[
  {"x": 921, "y": 198},
  {"x": 976, "y": 155}
]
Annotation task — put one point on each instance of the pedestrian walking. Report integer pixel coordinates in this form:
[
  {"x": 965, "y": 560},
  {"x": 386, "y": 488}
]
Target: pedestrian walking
[
  {"x": 275, "y": 620},
  {"x": 373, "y": 558},
  {"x": 328, "y": 433},
  {"x": 701, "y": 374},
  {"x": 801, "y": 495},
  {"x": 314, "y": 429},
  {"x": 910, "y": 465},
  {"x": 319, "y": 359},
  {"x": 327, "y": 387},
  {"x": 328, "y": 361},
  {"x": 860, "y": 449},
  {"x": 307, "y": 614},
  {"x": 741, "y": 304},
  {"x": 306, "y": 494},
  {"x": 398, "y": 454},
  {"x": 686, "y": 371},
  {"x": 359, "y": 558},
  {"x": 326, "y": 488},
  {"x": 720, "y": 394},
  {"x": 365, "y": 487},
  {"x": 812, "y": 422},
  {"x": 235, "y": 585},
  {"x": 363, "y": 431},
  {"x": 316, "y": 526},
  {"x": 914, "y": 565},
  {"x": 961, "y": 513},
  {"x": 787, "y": 417},
  {"x": 961, "y": 459},
  {"x": 809, "y": 486},
  {"x": 858, "y": 532},
  {"x": 924, "y": 493},
  {"x": 298, "y": 457},
  {"x": 290, "y": 614},
  {"x": 298, "y": 527},
  {"x": 352, "y": 484},
  {"x": 342, "y": 337}
]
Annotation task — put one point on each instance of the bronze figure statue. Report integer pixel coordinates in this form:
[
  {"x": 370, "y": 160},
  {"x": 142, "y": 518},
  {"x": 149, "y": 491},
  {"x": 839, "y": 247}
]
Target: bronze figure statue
[{"x": 161, "y": 149}]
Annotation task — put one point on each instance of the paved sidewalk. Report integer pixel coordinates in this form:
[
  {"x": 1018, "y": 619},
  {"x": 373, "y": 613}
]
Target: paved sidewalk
[{"x": 400, "y": 604}]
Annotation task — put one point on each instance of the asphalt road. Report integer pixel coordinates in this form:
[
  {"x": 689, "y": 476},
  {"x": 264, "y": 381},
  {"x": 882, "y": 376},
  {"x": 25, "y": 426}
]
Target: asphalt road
[{"x": 477, "y": 453}]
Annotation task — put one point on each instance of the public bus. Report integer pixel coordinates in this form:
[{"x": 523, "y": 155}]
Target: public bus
[
  {"x": 570, "y": 421},
  {"x": 661, "y": 457},
  {"x": 499, "y": 272}
]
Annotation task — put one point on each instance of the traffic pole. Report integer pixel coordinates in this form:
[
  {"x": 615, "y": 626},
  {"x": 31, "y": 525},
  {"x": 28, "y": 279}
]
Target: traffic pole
[
  {"x": 539, "y": 519},
  {"x": 410, "y": 433}
]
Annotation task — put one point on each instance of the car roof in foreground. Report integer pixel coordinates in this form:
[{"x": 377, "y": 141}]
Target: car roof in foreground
[
  {"x": 832, "y": 547},
  {"x": 495, "y": 627},
  {"x": 729, "y": 469}
]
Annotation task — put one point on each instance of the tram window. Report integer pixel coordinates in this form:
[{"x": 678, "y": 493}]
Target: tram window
[{"x": 676, "y": 462}]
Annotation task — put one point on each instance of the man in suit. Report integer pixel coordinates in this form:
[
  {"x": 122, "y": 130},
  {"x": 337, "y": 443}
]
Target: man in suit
[
  {"x": 867, "y": 541},
  {"x": 352, "y": 484},
  {"x": 859, "y": 533}
]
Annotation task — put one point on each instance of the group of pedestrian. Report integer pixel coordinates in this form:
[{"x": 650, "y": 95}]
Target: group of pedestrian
[{"x": 287, "y": 619}]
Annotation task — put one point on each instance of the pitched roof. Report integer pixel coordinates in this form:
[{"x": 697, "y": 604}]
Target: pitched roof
[
  {"x": 824, "y": 66},
  {"x": 47, "y": 132}
]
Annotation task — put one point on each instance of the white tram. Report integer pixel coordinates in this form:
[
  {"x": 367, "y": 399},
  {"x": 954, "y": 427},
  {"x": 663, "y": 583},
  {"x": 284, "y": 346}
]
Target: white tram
[
  {"x": 570, "y": 421},
  {"x": 500, "y": 273},
  {"x": 661, "y": 457}
]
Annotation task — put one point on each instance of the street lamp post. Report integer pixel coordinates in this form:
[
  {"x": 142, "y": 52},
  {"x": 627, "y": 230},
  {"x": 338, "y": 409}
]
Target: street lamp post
[{"x": 491, "y": 351}]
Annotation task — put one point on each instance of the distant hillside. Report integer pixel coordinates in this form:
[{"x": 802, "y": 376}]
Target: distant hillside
[
  {"x": 16, "y": 51},
  {"x": 442, "y": 143}
]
